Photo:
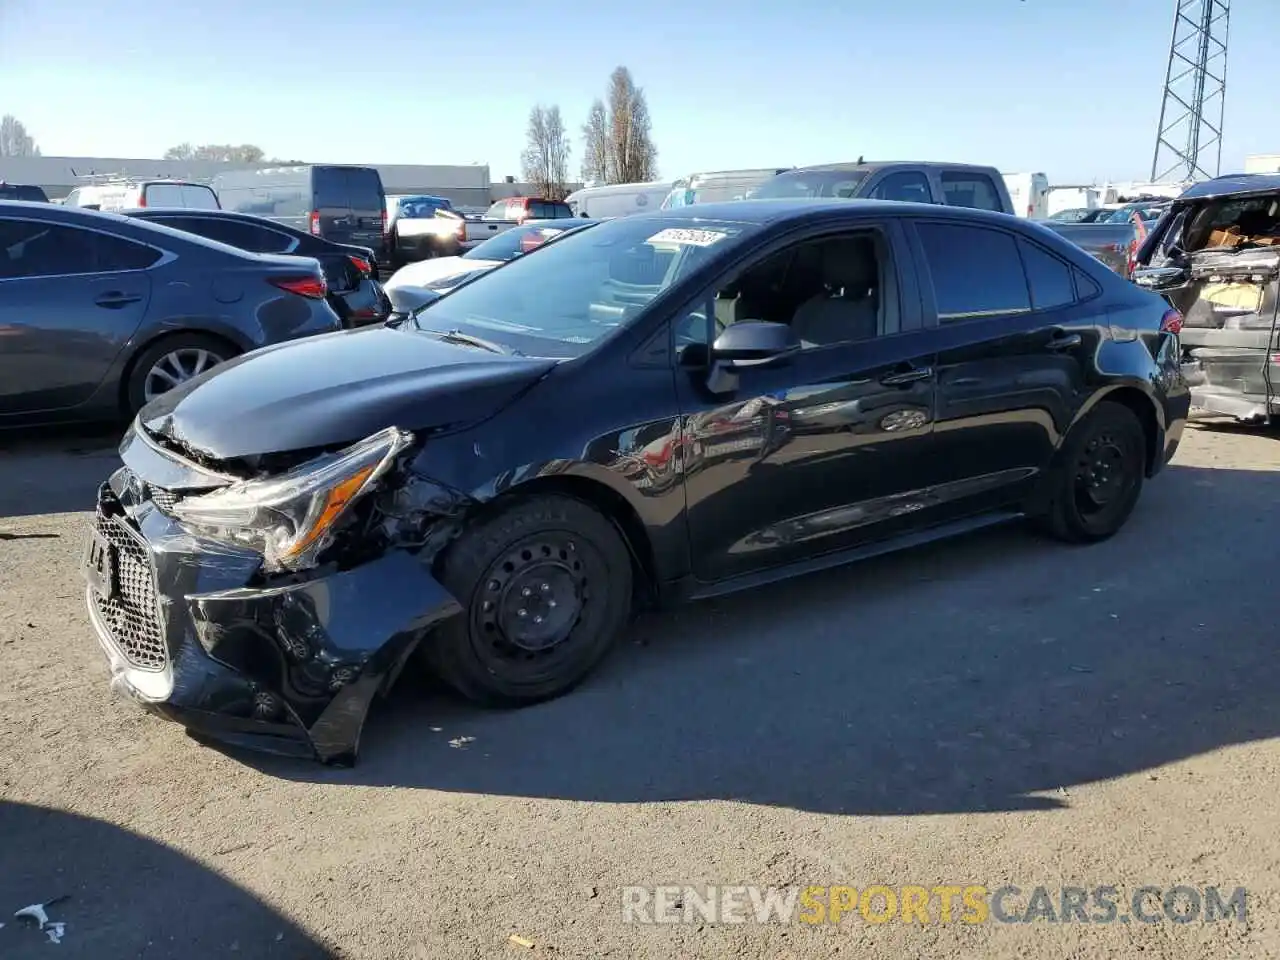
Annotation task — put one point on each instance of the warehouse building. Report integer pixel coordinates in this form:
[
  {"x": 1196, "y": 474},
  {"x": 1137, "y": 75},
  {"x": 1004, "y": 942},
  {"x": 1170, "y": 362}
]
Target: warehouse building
[{"x": 467, "y": 186}]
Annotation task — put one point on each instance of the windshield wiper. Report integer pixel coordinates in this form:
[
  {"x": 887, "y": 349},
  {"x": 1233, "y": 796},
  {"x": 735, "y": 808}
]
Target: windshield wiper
[{"x": 457, "y": 336}]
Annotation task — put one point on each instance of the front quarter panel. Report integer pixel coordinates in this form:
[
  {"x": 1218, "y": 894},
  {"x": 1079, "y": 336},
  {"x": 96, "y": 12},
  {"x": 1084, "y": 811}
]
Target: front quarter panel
[{"x": 588, "y": 424}]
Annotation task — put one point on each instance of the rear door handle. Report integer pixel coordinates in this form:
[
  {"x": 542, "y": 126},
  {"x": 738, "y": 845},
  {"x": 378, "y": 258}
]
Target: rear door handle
[
  {"x": 1064, "y": 341},
  {"x": 115, "y": 300},
  {"x": 903, "y": 377}
]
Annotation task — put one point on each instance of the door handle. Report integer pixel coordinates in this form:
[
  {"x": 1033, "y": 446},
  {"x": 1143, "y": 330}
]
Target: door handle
[
  {"x": 115, "y": 300},
  {"x": 1064, "y": 341},
  {"x": 903, "y": 377}
]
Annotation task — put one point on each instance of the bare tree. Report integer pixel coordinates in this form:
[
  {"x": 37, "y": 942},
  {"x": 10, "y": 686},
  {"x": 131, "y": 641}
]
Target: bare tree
[
  {"x": 595, "y": 144},
  {"x": 246, "y": 153},
  {"x": 545, "y": 161},
  {"x": 633, "y": 158},
  {"x": 14, "y": 139}
]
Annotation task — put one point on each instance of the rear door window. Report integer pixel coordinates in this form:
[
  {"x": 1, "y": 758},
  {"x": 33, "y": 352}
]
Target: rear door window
[
  {"x": 364, "y": 190},
  {"x": 973, "y": 190},
  {"x": 1048, "y": 277},
  {"x": 331, "y": 187},
  {"x": 163, "y": 195},
  {"x": 976, "y": 271},
  {"x": 196, "y": 196},
  {"x": 498, "y": 211}
]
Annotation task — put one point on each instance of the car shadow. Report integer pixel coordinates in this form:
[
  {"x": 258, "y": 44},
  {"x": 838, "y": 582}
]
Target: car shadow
[
  {"x": 55, "y": 470},
  {"x": 123, "y": 895},
  {"x": 991, "y": 673}
]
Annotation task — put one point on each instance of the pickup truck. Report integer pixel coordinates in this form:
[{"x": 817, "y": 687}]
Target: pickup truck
[
  {"x": 952, "y": 184},
  {"x": 1115, "y": 244}
]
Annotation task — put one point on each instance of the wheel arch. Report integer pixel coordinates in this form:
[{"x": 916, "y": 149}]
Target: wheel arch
[
  {"x": 612, "y": 503},
  {"x": 1140, "y": 400}
]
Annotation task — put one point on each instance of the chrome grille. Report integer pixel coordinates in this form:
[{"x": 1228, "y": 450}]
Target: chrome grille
[
  {"x": 131, "y": 615},
  {"x": 164, "y": 499}
]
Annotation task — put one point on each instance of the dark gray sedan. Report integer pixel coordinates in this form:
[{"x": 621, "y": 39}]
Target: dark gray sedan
[{"x": 100, "y": 313}]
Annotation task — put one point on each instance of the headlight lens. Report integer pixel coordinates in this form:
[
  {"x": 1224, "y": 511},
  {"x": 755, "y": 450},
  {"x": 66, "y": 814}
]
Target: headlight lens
[{"x": 290, "y": 518}]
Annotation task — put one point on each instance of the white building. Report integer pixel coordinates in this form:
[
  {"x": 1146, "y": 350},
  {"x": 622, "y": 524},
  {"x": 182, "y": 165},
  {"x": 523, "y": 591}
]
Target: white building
[
  {"x": 466, "y": 185},
  {"x": 1262, "y": 163}
]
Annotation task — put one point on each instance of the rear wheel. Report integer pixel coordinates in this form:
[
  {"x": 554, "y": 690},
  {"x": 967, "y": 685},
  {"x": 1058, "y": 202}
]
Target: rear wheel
[
  {"x": 172, "y": 361},
  {"x": 1099, "y": 478},
  {"x": 546, "y": 588}
]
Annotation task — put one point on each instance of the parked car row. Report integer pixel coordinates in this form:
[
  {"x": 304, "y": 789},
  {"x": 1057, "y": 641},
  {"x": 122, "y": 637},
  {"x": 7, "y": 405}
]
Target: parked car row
[{"x": 674, "y": 404}]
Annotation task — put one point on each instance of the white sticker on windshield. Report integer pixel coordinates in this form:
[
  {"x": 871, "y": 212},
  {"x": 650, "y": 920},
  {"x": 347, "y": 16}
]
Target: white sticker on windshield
[{"x": 694, "y": 238}]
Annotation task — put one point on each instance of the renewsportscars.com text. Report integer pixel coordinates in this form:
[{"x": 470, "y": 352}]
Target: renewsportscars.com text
[{"x": 914, "y": 904}]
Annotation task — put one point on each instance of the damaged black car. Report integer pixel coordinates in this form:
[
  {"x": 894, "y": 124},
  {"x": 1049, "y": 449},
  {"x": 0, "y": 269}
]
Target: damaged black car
[
  {"x": 1216, "y": 258},
  {"x": 666, "y": 406}
]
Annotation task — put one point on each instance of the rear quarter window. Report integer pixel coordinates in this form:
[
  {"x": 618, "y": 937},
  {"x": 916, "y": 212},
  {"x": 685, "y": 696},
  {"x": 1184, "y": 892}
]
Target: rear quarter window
[
  {"x": 974, "y": 190},
  {"x": 976, "y": 272},
  {"x": 198, "y": 197},
  {"x": 1048, "y": 277}
]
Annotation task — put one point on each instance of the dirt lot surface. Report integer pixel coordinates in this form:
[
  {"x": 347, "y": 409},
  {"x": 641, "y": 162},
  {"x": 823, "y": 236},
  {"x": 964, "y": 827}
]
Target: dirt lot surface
[{"x": 998, "y": 710}]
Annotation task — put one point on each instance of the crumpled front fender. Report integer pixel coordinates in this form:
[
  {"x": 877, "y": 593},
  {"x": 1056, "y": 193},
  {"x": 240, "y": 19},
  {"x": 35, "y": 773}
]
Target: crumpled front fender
[{"x": 315, "y": 653}]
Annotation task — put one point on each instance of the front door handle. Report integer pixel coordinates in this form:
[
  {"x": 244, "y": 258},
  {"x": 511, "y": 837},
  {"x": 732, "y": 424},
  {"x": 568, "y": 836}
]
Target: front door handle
[
  {"x": 904, "y": 377},
  {"x": 1064, "y": 341},
  {"x": 115, "y": 300}
]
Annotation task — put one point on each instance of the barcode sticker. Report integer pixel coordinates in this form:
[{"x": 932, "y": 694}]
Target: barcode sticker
[{"x": 694, "y": 238}]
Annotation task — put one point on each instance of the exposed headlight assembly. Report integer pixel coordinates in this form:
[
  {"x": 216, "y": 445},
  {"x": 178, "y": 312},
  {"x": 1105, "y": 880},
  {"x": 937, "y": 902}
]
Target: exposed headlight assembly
[{"x": 290, "y": 518}]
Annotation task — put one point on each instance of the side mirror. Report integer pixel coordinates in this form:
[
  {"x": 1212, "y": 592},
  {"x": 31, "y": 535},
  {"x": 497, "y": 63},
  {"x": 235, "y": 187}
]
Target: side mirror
[{"x": 754, "y": 343}]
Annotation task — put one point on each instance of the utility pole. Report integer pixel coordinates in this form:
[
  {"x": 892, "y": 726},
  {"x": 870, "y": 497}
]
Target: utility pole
[{"x": 1189, "y": 139}]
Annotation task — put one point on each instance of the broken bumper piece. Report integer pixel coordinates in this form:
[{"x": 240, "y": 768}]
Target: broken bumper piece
[{"x": 291, "y": 667}]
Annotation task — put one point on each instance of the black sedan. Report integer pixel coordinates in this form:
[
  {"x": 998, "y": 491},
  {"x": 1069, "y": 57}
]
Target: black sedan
[
  {"x": 666, "y": 406},
  {"x": 100, "y": 314},
  {"x": 351, "y": 271}
]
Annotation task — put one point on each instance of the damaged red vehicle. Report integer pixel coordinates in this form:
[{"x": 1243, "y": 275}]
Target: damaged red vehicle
[
  {"x": 665, "y": 406},
  {"x": 1215, "y": 256}
]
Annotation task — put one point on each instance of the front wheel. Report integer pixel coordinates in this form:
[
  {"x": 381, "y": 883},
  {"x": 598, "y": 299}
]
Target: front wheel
[
  {"x": 545, "y": 585},
  {"x": 1098, "y": 480}
]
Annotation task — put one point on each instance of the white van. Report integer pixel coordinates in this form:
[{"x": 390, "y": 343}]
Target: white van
[
  {"x": 130, "y": 194},
  {"x": 718, "y": 185},
  {"x": 618, "y": 199},
  {"x": 1029, "y": 193}
]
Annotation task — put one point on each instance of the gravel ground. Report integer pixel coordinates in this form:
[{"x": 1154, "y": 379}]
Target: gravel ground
[{"x": 996, "y": 710}]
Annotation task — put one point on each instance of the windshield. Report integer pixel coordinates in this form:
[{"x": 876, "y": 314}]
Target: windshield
[
  {"x": 842, "y": 184},
  {"x": 582, "y": 287}
]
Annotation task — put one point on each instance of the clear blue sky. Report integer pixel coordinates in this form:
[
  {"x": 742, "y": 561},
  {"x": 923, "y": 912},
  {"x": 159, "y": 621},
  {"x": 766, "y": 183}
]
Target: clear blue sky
[{"x": 1069, "y": 87}]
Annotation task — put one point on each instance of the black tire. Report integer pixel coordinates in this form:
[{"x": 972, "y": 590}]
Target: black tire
[
  {"x": 1098, "y": 480},
  {"x": 135, "y": 394},
  {"x": 560, "y": 561}
]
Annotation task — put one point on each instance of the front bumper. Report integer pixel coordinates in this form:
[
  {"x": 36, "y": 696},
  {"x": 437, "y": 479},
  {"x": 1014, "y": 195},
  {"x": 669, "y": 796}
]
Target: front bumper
[{"x": 192, "y": 633}]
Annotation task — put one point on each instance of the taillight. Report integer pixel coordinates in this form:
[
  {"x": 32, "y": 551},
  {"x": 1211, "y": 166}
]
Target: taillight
[
  {"x": 313, "y": 288},
  {"x": 1171, "y": 322},
  {"x": 315, "y": 223},
  {"x": 361, "y": 264},
  {"x": 142, "y": 199},
  {"x": 384, "y": 223},
  {"x": 461, "y": 231}
]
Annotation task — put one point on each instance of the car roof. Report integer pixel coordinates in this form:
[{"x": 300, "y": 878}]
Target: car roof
[
  {"x": 778, "y": 210},
  {"x": 1236, "y": 184},
  {"x": 871, "y": 165}
]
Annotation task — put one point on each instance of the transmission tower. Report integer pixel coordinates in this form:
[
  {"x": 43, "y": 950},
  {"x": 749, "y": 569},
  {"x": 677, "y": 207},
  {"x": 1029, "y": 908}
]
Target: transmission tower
[{"x": 1189, "y": 141}]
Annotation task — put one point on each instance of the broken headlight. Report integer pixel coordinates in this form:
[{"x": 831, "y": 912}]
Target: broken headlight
[{"x": 290, "y": 518}]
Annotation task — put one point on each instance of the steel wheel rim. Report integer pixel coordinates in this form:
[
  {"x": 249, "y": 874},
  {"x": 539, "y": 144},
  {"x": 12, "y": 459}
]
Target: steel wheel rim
[
  {"x": 1103, "y": 474},
  {"x": 520, "y": 648},
  {"x": 177, "y": 367}
]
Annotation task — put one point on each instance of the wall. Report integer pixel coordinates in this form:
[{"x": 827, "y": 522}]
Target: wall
[
  {"x": 1262, "y": 163},
  {"x": 58, "y": 175},
  {"x": 500, "y": 189}
]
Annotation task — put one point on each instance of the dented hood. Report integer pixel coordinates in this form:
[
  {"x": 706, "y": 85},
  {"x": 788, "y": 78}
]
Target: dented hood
[{"x": 336, "y": 388}]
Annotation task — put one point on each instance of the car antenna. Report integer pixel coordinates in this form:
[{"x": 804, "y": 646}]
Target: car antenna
[{"x": 860, "y": 160}]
